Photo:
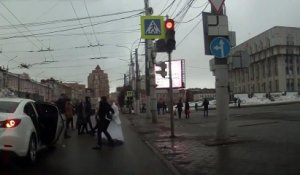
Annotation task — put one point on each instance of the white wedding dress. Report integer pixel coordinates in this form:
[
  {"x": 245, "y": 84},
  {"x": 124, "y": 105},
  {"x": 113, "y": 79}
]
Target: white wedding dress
[{"x": 115, "y": 128}]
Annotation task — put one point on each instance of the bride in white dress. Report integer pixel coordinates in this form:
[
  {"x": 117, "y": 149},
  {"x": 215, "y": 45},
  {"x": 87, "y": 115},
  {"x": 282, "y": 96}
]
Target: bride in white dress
[{"x": 115, "y": 128}]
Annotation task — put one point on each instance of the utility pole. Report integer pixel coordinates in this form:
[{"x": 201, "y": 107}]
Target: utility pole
[
  {"x": 171, "y": 95},
  {"x": 125, "y": 80},
  {"x": 149, "y": 73},
  {"x": 147, "y": 81},
  {"x": 137, "y": 83},
  {"x": 132, "y": 80},
  {"x": 152, "y": 84}
]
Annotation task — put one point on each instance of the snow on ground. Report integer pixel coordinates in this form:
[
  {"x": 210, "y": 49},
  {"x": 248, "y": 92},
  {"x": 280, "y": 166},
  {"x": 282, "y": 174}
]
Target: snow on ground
[{"x": 260, "y": 99}]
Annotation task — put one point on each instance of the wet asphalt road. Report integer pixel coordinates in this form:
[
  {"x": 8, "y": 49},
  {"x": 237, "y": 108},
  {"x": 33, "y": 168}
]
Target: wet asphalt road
[{"x": 78, "y": 158}]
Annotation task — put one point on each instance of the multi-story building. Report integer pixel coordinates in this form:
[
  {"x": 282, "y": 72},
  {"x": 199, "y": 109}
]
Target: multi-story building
[
  {"x": 197, "y": 94},
  {"x": 56, "y": 89},
  {"x": 98, "y": 81},
  {"x": 268, "y": 62},
  {"x": 78, "y": 90},
  {"x": 98, "y": 85},
  {"x": 22, "y": 86}
]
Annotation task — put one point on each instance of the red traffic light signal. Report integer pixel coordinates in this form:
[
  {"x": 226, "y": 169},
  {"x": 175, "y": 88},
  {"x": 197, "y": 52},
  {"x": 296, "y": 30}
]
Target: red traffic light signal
[{"x": 169, "y": 24}]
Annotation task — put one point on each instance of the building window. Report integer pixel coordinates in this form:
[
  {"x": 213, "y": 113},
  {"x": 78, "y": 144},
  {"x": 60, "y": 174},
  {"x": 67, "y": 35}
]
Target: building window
[
  {"x": 264, "y": 69},
  {"x": 288, "y": 85},
  {"x": 257, "y": 71},
  {"x": 269, "y": 67},
  {"x": 290, "y": 40},
  {"x": 277, "y": 85},
  {"x": 275, "y": 67},
  {"x": 264, "y": 87},
  {"x": 270, "y": 86},
  {"x": 292, "y": 85}
]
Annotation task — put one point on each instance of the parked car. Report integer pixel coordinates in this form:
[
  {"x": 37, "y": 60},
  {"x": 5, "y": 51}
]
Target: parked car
[{"x": 27, "y": 126}]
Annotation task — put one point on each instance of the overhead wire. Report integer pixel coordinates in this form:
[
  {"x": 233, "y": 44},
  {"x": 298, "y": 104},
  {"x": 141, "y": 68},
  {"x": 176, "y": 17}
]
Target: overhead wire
[
  {"x": 47, "y": 11},
  {"x": 92, "y": 27},
  {"x": 23, "y": 26},
  {"x": 75, "y": 28},
  {"x": 70, "y": 19},
  {"x": 192, "y": 19},
  {"x": 179, "y": 2},
  {"x": 167, "y": 7},
  {"x": 192, "y": 28},
  {"x": 82, "y": 28}
]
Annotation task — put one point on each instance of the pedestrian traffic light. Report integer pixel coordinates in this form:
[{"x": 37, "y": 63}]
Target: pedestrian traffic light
[
  {"x": 170, "y": 35},
  {"x": 162, "y": 70}
]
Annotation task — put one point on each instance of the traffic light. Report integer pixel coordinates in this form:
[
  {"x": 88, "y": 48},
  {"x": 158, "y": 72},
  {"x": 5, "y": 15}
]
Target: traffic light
[
  {"x": 170, "y": 35},
  {"x": 162, "y": 70}
]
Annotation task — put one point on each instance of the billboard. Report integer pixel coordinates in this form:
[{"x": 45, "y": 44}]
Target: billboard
[{"x": 178, "y": 75}]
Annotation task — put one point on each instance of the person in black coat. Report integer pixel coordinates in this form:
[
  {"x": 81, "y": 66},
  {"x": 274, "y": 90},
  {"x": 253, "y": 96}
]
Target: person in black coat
[
  {"x": 81, "y": 118},
  {"x": 187, "y": 109},
  {"x": 205, "y": 105},
  {"x": 104, "y": 117},
  {"x": 88, "y": 113},
  {"x": 179, "y": 108}
]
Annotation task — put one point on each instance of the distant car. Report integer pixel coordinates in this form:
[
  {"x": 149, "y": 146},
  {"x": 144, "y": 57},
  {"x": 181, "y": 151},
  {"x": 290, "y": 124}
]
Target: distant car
[{"x": 26, "y": 126}]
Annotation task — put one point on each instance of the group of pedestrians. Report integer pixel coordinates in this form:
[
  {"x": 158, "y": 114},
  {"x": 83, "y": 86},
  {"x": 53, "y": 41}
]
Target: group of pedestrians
[
  {"x": 179, "y": 107},
  {"x": 83, "y": 109},
  {"x": 187, "y": 111}
]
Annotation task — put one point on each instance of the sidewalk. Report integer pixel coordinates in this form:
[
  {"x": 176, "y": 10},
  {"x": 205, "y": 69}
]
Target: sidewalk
[{"x": 265, "y": 146}]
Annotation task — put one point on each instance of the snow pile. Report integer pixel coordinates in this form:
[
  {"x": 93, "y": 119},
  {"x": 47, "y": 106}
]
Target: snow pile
[
  {"x": 6, "y": 93},
  {"x": 289, "y": 96}
]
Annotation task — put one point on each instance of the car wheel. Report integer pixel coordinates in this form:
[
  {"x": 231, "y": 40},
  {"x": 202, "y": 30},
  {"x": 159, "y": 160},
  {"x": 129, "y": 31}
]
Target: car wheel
[{"x": 32, "y": 150}]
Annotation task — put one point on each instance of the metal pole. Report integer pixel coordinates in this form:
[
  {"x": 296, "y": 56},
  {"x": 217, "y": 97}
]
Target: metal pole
[
  {"x": 137, "y": 83},
  {"x": 222, "y": 101},
  {"x": 132, "y": 80},
  {"x": 222, "y": 96},
  {"x": 171, "y": 96},
  {"x": 152, "y": 85},
  {"x": 147, "y": 66}
]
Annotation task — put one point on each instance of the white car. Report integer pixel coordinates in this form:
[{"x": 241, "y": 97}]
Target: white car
[{"x": 27, "y": 126}]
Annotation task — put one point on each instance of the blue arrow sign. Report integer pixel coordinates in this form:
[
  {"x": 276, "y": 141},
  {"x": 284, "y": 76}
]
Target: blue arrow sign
[{"x": 220, "y": 47}]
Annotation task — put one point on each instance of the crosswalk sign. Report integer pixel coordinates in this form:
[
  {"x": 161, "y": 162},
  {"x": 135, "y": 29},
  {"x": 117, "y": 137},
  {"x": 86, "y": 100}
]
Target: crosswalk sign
[{"x": 152, "y": 27}]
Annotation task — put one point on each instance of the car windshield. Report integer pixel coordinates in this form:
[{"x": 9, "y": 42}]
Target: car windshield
[{"x": 8, "y": 106}]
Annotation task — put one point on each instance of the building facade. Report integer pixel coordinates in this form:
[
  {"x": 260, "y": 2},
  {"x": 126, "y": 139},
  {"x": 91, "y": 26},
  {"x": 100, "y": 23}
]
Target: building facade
[
  {"x": 266, "y": 63},
  {"x": 98, "y": 82}
]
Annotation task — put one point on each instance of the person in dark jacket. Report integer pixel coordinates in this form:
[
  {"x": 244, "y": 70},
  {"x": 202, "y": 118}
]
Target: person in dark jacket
[
  {"x": 88, "y": 113},
  {"x": 81, "y": 118},
  {"x": 60, "y": 103},
  {"x": 104, "y": 117},
  {"x": 205, "y": 105},
  {"x": 187, "y": 109},
  {"x": 179, "y": 108}
]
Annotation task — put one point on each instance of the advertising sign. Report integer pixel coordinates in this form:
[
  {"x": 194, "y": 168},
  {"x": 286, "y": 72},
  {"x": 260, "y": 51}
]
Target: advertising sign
[{"x": 178, "y": 75}]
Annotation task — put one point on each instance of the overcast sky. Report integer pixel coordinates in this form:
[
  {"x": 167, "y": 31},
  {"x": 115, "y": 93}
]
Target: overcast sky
[{"x": 28, "y": 28}]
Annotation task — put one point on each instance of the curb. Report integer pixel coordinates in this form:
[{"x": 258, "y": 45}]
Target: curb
[
  {"x": 163, "y": 159},
  {"x": 169, "y": 165}
]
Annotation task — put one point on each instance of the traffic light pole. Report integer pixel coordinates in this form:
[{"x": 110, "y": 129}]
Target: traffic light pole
[
  {"x": 150, "y": 75},
  {"x": 147, "y": 56},
  {"x": 152, "y": 85},
  {"x": 171, "y": 96}
]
